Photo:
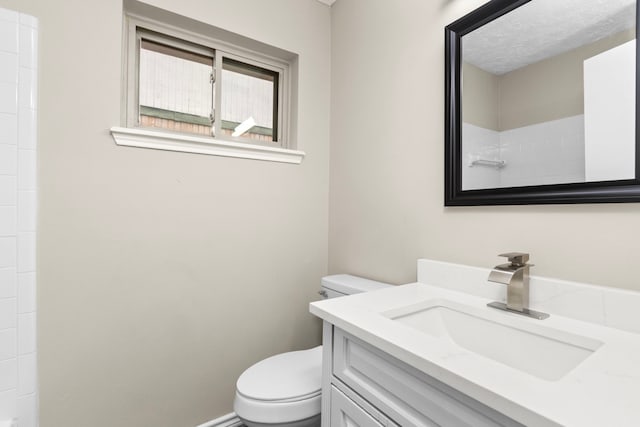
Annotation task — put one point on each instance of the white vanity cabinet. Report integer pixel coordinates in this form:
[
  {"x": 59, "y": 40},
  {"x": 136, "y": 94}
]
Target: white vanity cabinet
[{"x": 368, "y": 387}]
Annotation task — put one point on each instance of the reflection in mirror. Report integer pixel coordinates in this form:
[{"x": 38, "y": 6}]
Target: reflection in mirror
[{"x": 548, "y": 95}]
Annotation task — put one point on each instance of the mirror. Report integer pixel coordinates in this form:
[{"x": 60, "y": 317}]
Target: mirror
[{"x": 541, "y": 103}]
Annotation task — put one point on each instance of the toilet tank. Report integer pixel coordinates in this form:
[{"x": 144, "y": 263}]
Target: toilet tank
[{"x": 339, "y": 285}]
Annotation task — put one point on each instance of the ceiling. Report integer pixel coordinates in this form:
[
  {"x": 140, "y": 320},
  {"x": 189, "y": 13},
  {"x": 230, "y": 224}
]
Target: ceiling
[{"x": 544, "y": 28}]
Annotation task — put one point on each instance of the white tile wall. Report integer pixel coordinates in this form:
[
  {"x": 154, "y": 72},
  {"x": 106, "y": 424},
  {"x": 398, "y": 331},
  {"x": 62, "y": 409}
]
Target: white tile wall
[
  {"x": 26, "y": 413},
  {"x": 8, "y": 340},
  {"x": 26, "y": 291},
  {"x": 18, "y": 200},
  {"x": 479, "y": 143},
  {"x": 8, "y": 402},
  {"x": 8, "y": 252},
  {"x": 8, "y": 97},
  {"x": 9, "y": 73},
  {"x": 8, "y": 374},
  {"x": 8, "y": 158},
  {"x": 8, "y": 185},
  {"x": 8, "y": 129},
  {"x": 8, "y": 283},
  {"x": 8, "y": 313},
  {"x": 8, "y": 220},
  {"x": 545, "y": 153}
]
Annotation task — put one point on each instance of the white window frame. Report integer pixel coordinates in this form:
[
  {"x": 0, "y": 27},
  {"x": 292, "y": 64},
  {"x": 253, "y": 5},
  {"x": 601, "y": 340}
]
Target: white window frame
[{"x": 131, "y": 134}]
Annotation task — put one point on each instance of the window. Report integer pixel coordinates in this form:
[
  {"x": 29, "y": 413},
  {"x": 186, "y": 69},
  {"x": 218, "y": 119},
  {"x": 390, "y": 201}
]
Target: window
[
  {"x": 175, "y": 86},
  {"x": 182, "y": 85},
  {"x": 249, "y": 101}
]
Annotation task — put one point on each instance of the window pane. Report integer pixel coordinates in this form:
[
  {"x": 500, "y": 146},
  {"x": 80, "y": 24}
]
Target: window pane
[
  {"x": 175, "y": 89},
  {"x": 249, "y": 101}
]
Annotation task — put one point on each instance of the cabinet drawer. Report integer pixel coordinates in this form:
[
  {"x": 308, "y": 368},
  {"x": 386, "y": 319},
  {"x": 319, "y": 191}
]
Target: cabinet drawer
[
  {"x": 404, "y": 394},
  {"x": 345, "y": 412}
]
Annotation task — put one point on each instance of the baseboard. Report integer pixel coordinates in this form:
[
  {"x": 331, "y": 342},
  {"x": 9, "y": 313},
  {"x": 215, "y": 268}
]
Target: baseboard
[{"x": 229, "y": 420}]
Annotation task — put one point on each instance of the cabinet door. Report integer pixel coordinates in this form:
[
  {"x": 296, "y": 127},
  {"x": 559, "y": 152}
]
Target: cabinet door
[{"x": 345, "y": 412}]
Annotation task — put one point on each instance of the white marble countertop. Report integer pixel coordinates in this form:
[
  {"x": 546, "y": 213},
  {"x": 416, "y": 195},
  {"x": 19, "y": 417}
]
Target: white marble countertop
[{"x": 603, "y": 390}]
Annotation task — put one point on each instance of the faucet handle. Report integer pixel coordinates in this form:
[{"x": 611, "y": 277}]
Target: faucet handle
[{"x": 516, "y": 258}]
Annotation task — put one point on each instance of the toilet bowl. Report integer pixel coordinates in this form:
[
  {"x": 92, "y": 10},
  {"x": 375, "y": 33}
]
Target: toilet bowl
[{"x": 285, "y": 390}]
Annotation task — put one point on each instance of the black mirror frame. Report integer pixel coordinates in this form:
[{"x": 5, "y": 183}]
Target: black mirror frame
[{"x": 622, "y": 191}]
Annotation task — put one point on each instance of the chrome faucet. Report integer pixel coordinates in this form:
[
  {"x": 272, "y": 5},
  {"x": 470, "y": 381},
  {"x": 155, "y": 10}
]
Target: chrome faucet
[{"x": 515, "y": 275}]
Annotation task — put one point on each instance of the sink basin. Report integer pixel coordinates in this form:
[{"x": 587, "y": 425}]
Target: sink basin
[{"x": 541, "y": 351}]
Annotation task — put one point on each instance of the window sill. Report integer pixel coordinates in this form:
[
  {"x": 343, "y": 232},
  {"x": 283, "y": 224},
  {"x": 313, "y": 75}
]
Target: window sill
[{"x": 143, "y": 138}]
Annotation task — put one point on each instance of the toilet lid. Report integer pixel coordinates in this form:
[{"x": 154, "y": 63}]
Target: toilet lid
[{"x": 287, "y": 376}]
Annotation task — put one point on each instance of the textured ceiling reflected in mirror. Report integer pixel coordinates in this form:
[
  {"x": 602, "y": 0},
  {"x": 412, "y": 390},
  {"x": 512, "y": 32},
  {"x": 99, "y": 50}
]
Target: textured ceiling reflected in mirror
[{"x": 541, "y": 29}]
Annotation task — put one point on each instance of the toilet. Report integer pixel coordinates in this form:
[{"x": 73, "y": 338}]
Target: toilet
[{"x": 285, "y": 390}]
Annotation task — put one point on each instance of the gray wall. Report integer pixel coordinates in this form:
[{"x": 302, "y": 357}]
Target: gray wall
[
  {"x": 163, "y": 275},
  {"x": 481, "y": 97},
  {"x": 387, "y": 151},
  {"x": 552, "y": 88}
]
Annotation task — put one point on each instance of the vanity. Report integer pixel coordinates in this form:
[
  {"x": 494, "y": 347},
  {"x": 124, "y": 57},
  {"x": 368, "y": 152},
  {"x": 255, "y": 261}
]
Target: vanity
[{"x": 433, "y": 353}]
